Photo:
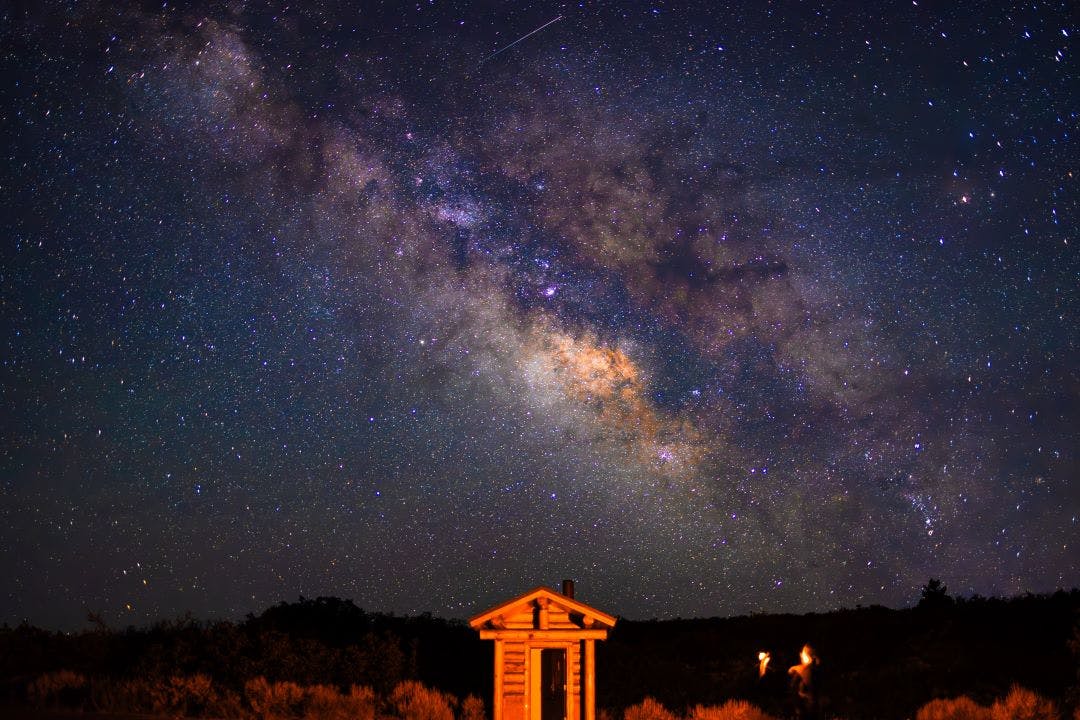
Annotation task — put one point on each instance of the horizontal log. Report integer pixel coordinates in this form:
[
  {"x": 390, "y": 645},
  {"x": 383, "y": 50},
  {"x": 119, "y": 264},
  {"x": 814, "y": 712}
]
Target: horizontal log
[{"x": 559, "y": 634}]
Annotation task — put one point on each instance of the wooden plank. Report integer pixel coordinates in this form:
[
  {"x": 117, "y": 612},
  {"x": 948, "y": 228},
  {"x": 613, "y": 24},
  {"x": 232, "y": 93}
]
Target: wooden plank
[
  {"x": 558, "y": 635},
  {"x": 523, "y": 617},
  {"x": 590, "y": 680},
  {"x": 498, "y": 700},
  {"x": 514, "y": 708}
]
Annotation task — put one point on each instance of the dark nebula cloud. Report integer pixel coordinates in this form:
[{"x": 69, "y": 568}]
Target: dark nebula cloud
[{"x": 714, "y": 309}]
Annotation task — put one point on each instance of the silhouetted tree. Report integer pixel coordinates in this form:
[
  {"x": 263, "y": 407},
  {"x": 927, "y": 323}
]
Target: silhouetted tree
[{"x": 934, "y": 596}]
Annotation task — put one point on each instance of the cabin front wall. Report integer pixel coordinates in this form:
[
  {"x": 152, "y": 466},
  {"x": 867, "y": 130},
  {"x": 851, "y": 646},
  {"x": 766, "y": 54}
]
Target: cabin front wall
[{"x": 517, "y": 686}]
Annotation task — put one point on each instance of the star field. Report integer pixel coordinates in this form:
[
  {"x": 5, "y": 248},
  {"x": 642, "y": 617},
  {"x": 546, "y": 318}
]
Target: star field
[{"x": 715, "y": 309}]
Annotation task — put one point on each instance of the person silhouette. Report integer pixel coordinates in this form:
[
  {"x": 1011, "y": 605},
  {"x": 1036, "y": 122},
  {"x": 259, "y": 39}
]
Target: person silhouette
[{"x": 802, "y": 684}]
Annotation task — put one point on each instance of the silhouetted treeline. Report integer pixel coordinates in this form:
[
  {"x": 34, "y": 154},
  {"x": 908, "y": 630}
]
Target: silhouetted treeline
[
  {"x": 875, "y": 662},
  {"x": 325, "y": 640}
]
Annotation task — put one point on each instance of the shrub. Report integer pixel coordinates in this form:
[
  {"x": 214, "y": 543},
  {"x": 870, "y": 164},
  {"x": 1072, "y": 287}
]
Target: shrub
[
  {"x": 1023, "y": 704},
  {"x": 958, "y": 708},
  {"x": 473, "y": 709},
  {"x": 730, "y": 710},
  {"x": 272, "y": 700},
  {"x": 151, "y": 695},
  {"x": 226, "y": 703},
  {"x": 189, "y": 695},
  {"x": 62, "y": 687},
  {"x": 116, "y": 695},
  {"x": 324, "y": 702},
  {"x": 133, "y": 695},
  {"x": 648, "y": 709},
  {"x": 360, "y": 702},
  {"x": 412, "y": 701}
]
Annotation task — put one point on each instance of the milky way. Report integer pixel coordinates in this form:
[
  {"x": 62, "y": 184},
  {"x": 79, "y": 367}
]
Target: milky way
[{"x": 714, "y": 309}]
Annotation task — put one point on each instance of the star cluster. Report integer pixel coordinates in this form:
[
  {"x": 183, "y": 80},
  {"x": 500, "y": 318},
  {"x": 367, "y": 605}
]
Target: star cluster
[{"x": 716, "y": 309}]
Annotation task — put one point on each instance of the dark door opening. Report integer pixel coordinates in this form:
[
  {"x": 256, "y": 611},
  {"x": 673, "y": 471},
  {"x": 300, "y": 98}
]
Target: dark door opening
[{"x": 552, "y": 684}]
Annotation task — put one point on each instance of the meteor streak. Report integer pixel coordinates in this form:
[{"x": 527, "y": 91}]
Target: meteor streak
[{"x": 503, "y": 49}]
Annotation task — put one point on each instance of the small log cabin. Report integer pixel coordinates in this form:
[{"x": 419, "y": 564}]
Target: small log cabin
[{"x": 545, "y": 659}]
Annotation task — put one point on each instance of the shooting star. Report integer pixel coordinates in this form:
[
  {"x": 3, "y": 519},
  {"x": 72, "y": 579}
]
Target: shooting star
[{"x": 504, "y": 49}]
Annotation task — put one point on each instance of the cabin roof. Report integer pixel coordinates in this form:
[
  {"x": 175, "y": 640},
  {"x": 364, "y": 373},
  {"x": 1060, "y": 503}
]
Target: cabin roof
[{"x": 569, "y": 604}]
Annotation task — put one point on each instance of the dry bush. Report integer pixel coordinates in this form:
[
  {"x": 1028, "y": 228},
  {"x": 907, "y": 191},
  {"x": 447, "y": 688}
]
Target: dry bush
[
  {"x": 412, "y": 701},
  {"x": 272, "y": 700},
  {"x": 472, "y": 708},
  {"x": 189, "y": 695},
  {"x": 1023, "y": 704},
  {"x": 115, "y": 695},
  {"x": 56, "y": 688},
  {"x": 361, "y": 702},
  {"x": 226, "y": 703},
  {"x": 134, "y": 695},
  {"x": 958, "y": 708},
  {"x": 648, "y": 709},
  {"x": 129, "y": 695},
  {"x": 152, "y": 695},
  {"x": 324, "y": 702},
  {"x": 730, "y": 710}
]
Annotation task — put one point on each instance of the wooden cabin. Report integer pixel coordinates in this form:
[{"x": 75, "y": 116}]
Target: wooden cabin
[{"x": 545, "y": 659}]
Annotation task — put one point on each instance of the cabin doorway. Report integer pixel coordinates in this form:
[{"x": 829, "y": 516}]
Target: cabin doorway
[{"x": 549, "y": 684}]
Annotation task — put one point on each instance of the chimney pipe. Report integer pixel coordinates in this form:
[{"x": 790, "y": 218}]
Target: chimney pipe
[{"x": 568, "y": 588}]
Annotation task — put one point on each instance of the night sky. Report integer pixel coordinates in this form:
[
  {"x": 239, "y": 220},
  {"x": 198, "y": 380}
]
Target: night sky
[{"x": 714, "y": 309}]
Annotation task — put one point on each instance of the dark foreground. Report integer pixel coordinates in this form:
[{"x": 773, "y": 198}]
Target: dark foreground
[{"x": 874, "y": 662}]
